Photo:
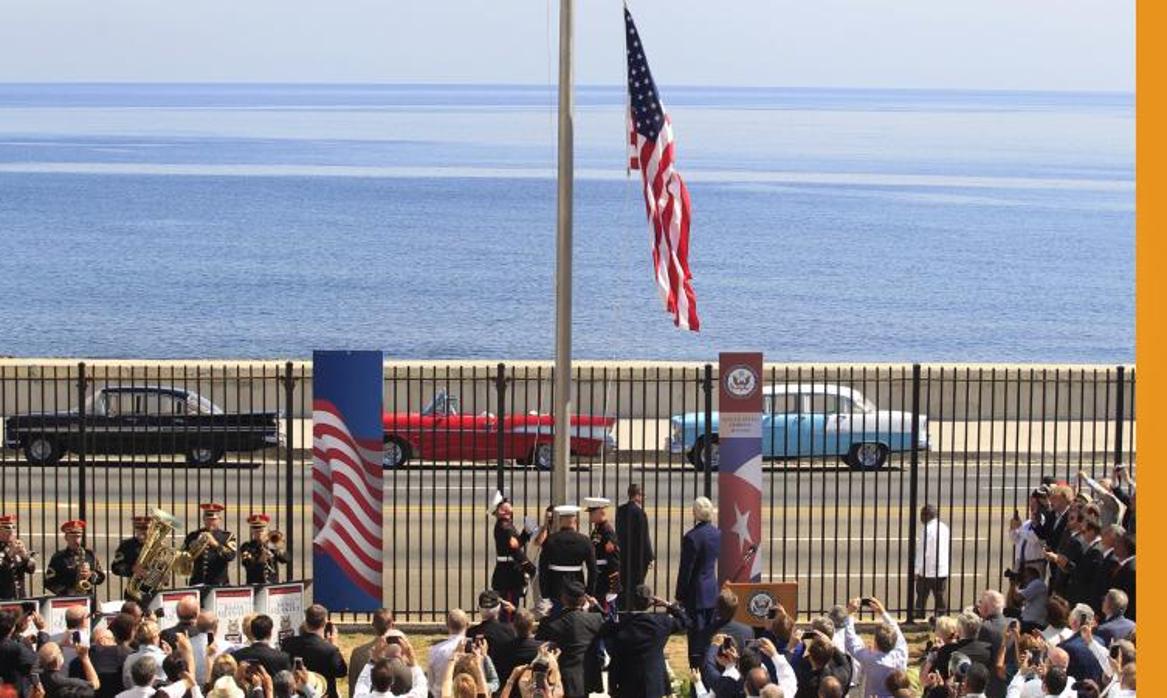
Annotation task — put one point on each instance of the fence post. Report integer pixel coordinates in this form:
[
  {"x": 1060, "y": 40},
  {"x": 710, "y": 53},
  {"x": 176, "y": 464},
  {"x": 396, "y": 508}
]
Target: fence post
[
  {"x": 914, "y": 492},
  {"x": 289, "y": 476},
  {"x": 707, "y": 385},
  {"x": 500, "y": 391},
  {"x": 82, "y": 493},
  {"x": 1119, "y": 415}
]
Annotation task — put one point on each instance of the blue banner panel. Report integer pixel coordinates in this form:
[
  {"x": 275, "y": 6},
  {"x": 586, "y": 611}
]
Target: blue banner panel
[{"x": 347, "y": 444}]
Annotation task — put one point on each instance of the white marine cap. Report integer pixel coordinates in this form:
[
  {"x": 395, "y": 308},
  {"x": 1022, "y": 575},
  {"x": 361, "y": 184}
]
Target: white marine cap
[
  {"x": 495, "y": 502},
  {"x": 567, "y": 510},
  {"x": 590, "y": 503}
]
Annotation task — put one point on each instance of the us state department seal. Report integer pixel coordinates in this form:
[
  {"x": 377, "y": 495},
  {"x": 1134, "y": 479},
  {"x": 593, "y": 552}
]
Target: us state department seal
[
  {"x": 759, "y": 603},
  {"x": 741, "y": 381}
]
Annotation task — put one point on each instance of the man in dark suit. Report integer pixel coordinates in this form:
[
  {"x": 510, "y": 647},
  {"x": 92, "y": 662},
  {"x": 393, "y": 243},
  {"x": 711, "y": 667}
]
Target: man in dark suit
[
  {"x": 1116, "y": 625},
  {"x": 1109, "y": 563},
  {"x": 1083, "y": 662},
  {"x": 634, "y": 540},
  {"x": 261, "y": 652},
  {"x": 523, "y": 649},
  {"x": 16, "y": 658},
  {"x": 1066, "y": 556},
  {"x": 575, "y": 631},
  {"x": 499, "y": 636},
  {"x": 697, "y": 577},
  {"x": 318, "y": 648},
  {"x": 1083, "y": 575},
  {"x": 1123, "y": 577},
  {"x": 636, "y": 643},
  {"x": 382, "y": 624},
  {"x": 187, "y": 611}
]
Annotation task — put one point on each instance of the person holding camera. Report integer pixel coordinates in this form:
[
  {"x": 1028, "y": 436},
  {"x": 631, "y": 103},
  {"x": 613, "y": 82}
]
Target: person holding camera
[
  {"x": 361, "y": 656},
  {"x": 316, "y": 645},
  {"x": 261, "y": 650},
  {"x": 574, "y": 631},
  {"x": 636, "y": 644},
  {"x": 539, "y": 679},
  {"x": 1087, "y": 654},
  {"x": 442, "y": 653},
  {"x": 888, "y": 653}
]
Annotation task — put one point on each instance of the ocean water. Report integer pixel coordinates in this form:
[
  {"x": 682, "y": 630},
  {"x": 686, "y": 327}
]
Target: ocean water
[{"x": 828, "y": 225}]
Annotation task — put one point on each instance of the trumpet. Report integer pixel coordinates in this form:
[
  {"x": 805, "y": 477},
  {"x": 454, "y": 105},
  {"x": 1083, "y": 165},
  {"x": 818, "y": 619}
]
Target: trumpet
[{"x": 276, "y": 539}]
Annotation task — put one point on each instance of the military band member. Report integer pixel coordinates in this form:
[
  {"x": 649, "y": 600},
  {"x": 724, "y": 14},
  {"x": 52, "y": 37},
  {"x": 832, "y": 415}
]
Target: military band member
[
  {"x": 125, "y": 560},
  {"x": 211, "y": 548},
  {"x": 264, "y": 553},
  {"x": 512, "y": 569},
  {"x": 566, "y": 554},
  {"x": 15, "y": 561},
  {"x": 605, "y": 584},
  {"x": 74, "y": 570}
]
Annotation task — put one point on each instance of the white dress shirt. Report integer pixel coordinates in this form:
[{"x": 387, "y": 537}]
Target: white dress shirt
[
  {"x": 1027, "y": 547},
  {"x": 932, "y": 550},
  {"x": 364, "y": 687},
  {"x": 440, "y": 655},
  {"x": 145, "y": 650},
  {"x": 1021, "y": 687},
  {"x": 877, "y": 665},
  {"x": 177, "y": 689}
]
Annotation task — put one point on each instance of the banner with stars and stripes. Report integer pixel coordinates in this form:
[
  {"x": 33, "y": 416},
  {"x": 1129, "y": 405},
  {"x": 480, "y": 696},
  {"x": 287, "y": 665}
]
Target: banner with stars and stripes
[
  {"x": 739, "y": 479},
  {"x": 347, "y": 441}
]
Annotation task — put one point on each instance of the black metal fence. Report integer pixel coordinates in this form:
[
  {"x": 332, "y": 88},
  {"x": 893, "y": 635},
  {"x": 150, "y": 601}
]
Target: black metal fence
[{"x": 991, "y": 433}]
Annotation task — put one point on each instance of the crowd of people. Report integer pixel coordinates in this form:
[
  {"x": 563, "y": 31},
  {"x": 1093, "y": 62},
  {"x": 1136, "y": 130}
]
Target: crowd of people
[{"x": 1063, "y": 626}]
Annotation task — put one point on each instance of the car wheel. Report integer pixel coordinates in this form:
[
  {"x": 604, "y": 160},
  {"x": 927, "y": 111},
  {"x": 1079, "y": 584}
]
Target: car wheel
[
  {"x": 543, "y": 456},
  {"x": 697, "y": 455},
  {"x": 866, "y": 456},
  {"x": 203, "y": 456},
  {"x": 41, "y": 450},
  {"x": 396, "y": 454}
]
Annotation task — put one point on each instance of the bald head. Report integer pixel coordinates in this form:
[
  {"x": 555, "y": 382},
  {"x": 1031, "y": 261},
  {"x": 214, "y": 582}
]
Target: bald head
[
  {"x": 187, "y": 609},
  {"x": 1058, "y": 657},
  {"x": 49, "y": 657},
  {"x": 75, "y": 616}
]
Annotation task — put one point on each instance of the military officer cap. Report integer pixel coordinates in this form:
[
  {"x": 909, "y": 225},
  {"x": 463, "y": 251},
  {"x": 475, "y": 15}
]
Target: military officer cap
[
  {"x": 496, "y": 501},
  {"x": 141, "y": 523},
  {"x": 567, "y": 510},
  {"x": 73, "y": 526},
  {"x": 211, "y": 510},
  {"x": 8, "y": 522},
  {"x": 591, "y": 503},
  {"x": 258, "y": 520}
]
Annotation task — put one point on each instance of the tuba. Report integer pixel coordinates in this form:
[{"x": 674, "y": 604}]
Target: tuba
[{"x": 157, "y": 557}]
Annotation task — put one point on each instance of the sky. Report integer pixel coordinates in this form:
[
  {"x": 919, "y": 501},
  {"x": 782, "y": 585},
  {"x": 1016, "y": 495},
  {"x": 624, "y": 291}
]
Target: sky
[{"x": 973, "y": 44}]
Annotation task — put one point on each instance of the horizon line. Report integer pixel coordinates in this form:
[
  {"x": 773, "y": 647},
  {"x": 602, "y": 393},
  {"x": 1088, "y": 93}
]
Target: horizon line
[{"x": 553, "y": 86}]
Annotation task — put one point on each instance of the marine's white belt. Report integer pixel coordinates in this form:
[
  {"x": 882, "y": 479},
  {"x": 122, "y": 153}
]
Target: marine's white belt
[{"x": 566, "y": 568}]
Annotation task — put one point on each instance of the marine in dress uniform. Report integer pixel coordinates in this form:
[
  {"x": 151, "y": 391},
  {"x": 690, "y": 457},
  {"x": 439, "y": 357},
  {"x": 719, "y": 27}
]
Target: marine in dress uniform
[
  {"x": 512, "y": 569},
  {"x": 605, "y": 584},
  {"x": 567, "y": 555},
  {"x": 125, "y": 559},
  {"x": 15, "y": 561},
  {"x": 261, "y": 557},
  {"x": 210, "y": 567},
  {"x": 73, "y": 565}
]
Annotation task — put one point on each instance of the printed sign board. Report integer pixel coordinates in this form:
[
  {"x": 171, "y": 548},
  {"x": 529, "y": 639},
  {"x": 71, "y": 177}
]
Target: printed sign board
[
  {"x": 756, "y": 600},
  {"x": 739, "y": 479},
  {"x": 285, "y": 604},
  {"x": 231, "y": 604},
  {"x": 168, "y": 602},
  {"x": 58, "y": 606}
]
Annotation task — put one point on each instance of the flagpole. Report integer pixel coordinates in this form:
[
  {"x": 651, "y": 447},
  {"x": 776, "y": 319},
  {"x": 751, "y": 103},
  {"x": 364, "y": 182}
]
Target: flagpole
[{"x": 563, "y": 253}]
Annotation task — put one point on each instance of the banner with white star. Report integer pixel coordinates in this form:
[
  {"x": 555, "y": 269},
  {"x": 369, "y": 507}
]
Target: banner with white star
[{"x": 739, "y": 480}]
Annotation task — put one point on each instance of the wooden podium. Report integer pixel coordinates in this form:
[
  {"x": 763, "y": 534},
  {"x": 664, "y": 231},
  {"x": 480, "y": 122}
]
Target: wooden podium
[{"x": 755, "y": 600}]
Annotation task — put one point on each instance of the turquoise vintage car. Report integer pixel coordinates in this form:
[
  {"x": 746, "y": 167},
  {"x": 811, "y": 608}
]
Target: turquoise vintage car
[{"x": 803, "y": 420}]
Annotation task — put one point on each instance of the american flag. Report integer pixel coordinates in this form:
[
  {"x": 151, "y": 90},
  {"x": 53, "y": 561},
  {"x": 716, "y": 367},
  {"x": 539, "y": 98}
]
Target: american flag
[
  {"x": 346, "y": 498},
  {"x": 666, "y": 199}
]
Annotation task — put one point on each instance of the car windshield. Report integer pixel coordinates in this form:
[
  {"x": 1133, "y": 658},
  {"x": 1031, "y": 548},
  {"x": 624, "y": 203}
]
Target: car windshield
[{"x": 442, "y": 405}]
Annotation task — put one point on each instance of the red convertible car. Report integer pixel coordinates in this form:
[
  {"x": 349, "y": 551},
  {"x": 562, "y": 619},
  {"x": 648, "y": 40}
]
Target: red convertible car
[{"x": 441, "y": 432}]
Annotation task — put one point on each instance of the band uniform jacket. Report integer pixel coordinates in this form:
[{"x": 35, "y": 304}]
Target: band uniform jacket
[
  {"x": 635, "y": 545},
  {"x": 697, "y": 578},
  {"x": 512, "y": 569},
  {"x": 61, "y": 575},
  {"x": 566, "y": 555},
  {"x": 258, "y": 569},
  {"x": 126, "y": 557},
  {"x": 576, "y": 632},
  {"x": 13, "y": 571},
  {"x": 607, "y": 546},
  {"x": 211, "y": 567},
  {"x": 636, "y": 643}
]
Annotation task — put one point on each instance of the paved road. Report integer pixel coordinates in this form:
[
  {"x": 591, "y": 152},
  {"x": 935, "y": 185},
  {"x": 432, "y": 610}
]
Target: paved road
[{"x": 839, "y": 533}]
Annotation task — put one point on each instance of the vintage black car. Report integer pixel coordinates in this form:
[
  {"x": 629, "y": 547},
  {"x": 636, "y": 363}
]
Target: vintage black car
[{"x": 123, "y": 420}]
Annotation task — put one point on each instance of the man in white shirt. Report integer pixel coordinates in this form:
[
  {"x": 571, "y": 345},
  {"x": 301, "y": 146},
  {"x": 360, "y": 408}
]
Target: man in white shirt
[
  {"x": 784, "y": 673},
  {"x": 889, "y": 654},
  {"x": 932, "y": 549},
  {"x": 442, "y": 652},
  {"x": 147, "y": 638},
  {"x": 386, "y": 678},
  {"x": 1027, "y": 683}
]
